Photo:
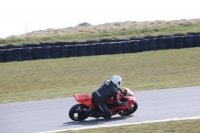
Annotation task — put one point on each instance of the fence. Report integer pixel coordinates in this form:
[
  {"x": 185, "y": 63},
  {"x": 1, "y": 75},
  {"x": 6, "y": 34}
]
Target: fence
[{"x": 65, "y": 50}]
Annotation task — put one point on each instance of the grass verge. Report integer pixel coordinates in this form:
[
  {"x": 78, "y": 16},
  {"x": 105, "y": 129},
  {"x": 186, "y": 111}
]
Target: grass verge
[
  {"x": 55, "y": 78},
  {"x": 184, "y": 126}
]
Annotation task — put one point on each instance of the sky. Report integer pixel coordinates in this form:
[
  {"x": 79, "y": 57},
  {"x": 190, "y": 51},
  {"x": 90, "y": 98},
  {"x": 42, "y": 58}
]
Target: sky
[{"x": 22, "y": 16}]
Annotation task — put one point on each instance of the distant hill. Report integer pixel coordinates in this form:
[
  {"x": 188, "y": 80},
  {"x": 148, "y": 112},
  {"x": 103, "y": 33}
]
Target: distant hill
[{"x": 109, "y": 31}]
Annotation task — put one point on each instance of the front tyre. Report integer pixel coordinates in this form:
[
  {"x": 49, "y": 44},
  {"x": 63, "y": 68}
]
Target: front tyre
[
  {"x": 78, "y": 112},
  {"x": 129, "y": 111}
]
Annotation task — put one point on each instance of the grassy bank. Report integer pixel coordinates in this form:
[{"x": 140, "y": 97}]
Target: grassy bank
[
  {"x": 54, "y": 78},
  {"x": 186, "y": 126},
  {"x": 110, "y": 31}
]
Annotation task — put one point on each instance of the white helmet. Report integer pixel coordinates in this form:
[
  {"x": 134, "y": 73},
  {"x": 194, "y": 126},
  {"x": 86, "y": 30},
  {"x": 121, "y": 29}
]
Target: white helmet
[{"x": 117, "y": 80}]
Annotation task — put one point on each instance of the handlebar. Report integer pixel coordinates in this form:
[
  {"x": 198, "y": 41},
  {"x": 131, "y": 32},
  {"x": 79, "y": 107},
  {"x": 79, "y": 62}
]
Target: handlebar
[
  {"x": 122, "y": 95},
  {"x": 119, "y": 89}
]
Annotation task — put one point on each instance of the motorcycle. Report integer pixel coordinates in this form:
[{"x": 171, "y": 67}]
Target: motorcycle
[{"x": 82, "y": 111}]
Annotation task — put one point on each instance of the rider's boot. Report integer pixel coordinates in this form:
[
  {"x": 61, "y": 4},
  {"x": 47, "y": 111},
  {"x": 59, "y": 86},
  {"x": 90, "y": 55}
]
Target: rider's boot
[
  {"x": 97, "y": 114},
  {"x": 94, "y": 114},
  {"x": 101, "y": 114}
]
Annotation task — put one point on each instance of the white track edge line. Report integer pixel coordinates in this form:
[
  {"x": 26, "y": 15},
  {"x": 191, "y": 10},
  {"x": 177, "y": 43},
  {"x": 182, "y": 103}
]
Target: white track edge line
[{"x": 134, "y": 123}]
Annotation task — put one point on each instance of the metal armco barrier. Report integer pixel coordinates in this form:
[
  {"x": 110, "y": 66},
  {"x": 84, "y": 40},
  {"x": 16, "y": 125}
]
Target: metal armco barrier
[{"x": 64, "y": 50}]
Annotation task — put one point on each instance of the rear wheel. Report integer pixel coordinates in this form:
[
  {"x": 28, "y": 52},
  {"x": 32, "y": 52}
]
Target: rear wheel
[
  {"x": 129, "y": 111},
  {"x": 78, "y": 112}
]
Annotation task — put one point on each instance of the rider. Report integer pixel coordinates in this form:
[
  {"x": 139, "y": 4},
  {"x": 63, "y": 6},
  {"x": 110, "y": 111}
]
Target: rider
[{"x": 108, "y": 89}]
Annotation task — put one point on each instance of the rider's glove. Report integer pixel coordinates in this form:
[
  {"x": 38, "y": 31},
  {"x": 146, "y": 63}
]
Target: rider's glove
[
  {"x": 124, "y": 103},
  {"x": 122, "y": 96}
]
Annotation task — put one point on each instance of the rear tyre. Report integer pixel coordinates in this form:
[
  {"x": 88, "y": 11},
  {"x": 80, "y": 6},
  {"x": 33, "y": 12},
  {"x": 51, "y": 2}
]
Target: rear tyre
[
  {"x": 78, "y": 112},
  {"x": 129, "y": 111}
]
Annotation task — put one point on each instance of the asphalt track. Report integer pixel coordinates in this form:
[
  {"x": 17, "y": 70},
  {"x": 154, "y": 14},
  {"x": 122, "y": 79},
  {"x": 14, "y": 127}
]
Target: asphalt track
[{"x": 48, "y": 115}]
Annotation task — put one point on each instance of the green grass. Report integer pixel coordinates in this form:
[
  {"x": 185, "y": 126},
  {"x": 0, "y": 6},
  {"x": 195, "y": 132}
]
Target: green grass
[
  {"x": 184, "y": 126},
  {"x": 113, "y": 31},
  {"x": 55, "y": 78}
]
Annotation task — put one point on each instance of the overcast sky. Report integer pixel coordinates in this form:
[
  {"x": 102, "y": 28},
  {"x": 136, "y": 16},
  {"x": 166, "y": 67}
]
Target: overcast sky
[{"x": 19, "y": 16}]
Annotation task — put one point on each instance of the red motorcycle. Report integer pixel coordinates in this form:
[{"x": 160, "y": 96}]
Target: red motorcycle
[{"x": 80, "y": 112}]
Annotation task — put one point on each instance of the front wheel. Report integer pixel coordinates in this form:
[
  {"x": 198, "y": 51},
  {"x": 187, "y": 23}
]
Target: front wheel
[
  {"x": 129, "y": 111},
  {"x": 78, "y": 112}
]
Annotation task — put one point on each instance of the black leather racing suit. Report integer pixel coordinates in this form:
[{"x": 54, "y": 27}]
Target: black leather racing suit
[{"x": 102, "y": 95}]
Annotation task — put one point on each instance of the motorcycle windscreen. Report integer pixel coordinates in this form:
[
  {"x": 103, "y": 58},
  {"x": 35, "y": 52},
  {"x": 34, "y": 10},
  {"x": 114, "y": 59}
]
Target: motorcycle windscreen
[
  {"x": 85, "y": 99},
  {"x": 129, "y": 92}
]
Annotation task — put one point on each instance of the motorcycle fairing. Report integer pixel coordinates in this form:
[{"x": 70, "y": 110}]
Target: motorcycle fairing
[{"x": 85, "y": 99}]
